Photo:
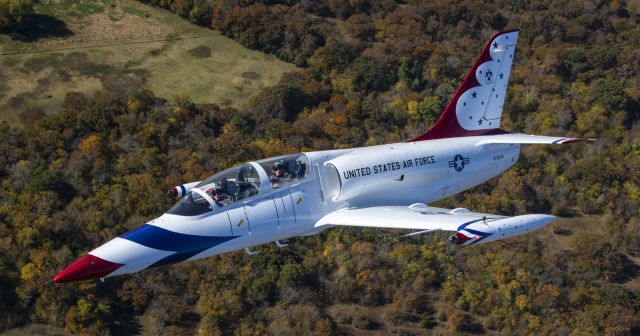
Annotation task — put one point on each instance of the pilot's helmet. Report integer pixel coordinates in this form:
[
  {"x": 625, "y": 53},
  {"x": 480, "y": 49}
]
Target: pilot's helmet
[
  {"x": 218, "y": 188},
  {"x": 279, "y": 165}
]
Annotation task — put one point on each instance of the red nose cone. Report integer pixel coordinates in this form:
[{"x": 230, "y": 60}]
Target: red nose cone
[{"x": 85, "y": 268}]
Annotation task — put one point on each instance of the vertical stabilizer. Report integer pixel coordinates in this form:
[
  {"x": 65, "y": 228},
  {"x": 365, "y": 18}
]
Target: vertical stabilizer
[{"x": 476, "y": 107}]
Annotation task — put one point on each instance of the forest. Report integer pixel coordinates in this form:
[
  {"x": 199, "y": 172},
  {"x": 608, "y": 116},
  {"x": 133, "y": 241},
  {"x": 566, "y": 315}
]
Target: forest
[{"x": 373, "y": 72}]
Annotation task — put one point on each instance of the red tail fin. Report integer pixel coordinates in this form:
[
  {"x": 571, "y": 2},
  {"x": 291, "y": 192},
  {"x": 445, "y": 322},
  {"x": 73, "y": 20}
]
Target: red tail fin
[{"x": 476, "y": 107}]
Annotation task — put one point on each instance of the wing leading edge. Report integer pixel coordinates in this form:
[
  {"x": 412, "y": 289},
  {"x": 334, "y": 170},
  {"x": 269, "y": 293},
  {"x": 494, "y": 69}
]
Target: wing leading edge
[{"x": 519, "y": 138}]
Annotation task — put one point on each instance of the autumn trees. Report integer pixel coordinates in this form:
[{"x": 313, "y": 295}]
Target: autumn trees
[
  {"x": 14, "y": 13},
  {"x": 374, "y": 72}
]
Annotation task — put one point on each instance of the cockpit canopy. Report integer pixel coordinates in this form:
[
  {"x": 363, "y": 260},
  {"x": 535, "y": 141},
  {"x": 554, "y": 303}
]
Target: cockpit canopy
[
  {"x": 233, "y": 184},
  {"x": 238, "y": 183},
  {"x": 287, "y": 169}
]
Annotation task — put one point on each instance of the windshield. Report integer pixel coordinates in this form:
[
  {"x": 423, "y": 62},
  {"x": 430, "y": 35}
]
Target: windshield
[{"x": 193, "y": 204}]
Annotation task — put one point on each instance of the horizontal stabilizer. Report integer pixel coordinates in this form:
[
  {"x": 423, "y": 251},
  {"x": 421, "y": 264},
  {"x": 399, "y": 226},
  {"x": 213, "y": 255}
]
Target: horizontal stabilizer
[{"x": 520, "y": 138}]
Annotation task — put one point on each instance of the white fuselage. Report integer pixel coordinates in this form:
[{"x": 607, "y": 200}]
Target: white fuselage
[{"x": 394, "y": 174}]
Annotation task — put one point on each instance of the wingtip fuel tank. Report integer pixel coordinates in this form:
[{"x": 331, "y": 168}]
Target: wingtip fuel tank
[{"x": 485, "y": 230}]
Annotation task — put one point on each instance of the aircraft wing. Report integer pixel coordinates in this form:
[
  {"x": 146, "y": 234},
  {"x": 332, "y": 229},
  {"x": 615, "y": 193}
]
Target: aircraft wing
[
  {"x": 519, "y": 138},
  {"x": 415, "y": 217}
]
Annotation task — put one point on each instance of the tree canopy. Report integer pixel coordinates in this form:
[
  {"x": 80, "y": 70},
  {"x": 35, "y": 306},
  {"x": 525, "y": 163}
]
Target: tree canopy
[
  {"x": 374, "y": 72},
  {"x": 14, "y": 13}
]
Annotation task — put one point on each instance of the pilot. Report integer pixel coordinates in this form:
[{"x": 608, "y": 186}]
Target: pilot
[
  {"x": 219, "y": 195},
  {"x": 281, "y": 174}
]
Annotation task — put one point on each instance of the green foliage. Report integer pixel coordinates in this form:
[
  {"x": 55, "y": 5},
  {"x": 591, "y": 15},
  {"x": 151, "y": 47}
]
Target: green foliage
[
  {"x": 602, "y": 57},
  {"x": 14, "y": 13},
  {"x": 597, "y": 258},
  {"x": 100, "y": 168},
  {"x": 335, "y": 55},
  {"x": 291, "y": 275},
  {"x": 243, "y": 123},
  {"x": 283, "y": 101},
  {"x": 370, "y": 74},
  {"x": 410, "y": 72},
  {"x": 427, "y": 321},
  {"x": 429, "y": 109},
  {"x": 574, "y": 61},
  {"x": 611, "y": 94}
]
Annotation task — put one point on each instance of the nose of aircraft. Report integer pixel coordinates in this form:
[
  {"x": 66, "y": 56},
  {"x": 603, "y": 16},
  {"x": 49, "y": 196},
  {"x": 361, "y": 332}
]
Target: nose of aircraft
[{"x": 85, "y": 268}]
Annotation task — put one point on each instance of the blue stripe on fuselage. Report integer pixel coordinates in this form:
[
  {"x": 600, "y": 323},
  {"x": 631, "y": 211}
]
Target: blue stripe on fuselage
[
  {"x": 177, "y": 257},
  {"x": 185, "y": 245}
]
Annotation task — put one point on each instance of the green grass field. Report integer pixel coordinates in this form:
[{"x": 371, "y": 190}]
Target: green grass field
[{"x": 89, "y": 40}]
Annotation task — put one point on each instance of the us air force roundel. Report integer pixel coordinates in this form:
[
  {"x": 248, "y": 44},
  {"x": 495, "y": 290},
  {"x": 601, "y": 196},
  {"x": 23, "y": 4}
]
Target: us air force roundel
[{"x": 458, "y": 162}]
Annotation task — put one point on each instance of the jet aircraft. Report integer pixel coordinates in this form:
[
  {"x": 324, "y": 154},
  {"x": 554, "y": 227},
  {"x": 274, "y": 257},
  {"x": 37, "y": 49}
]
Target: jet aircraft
[{"x": 386, "y": 186}]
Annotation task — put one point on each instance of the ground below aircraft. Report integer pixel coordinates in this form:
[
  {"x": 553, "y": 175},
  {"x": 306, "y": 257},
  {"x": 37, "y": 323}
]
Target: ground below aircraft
[{"x": 386, "y": 186}]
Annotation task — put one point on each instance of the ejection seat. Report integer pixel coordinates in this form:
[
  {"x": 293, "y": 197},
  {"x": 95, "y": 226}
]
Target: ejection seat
[
  {"x": 301, "y": 170},
  {"x": 246, "y": 187},
  {"x": 297, "y": 168},
  {"x": 231, "y": 189}
]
